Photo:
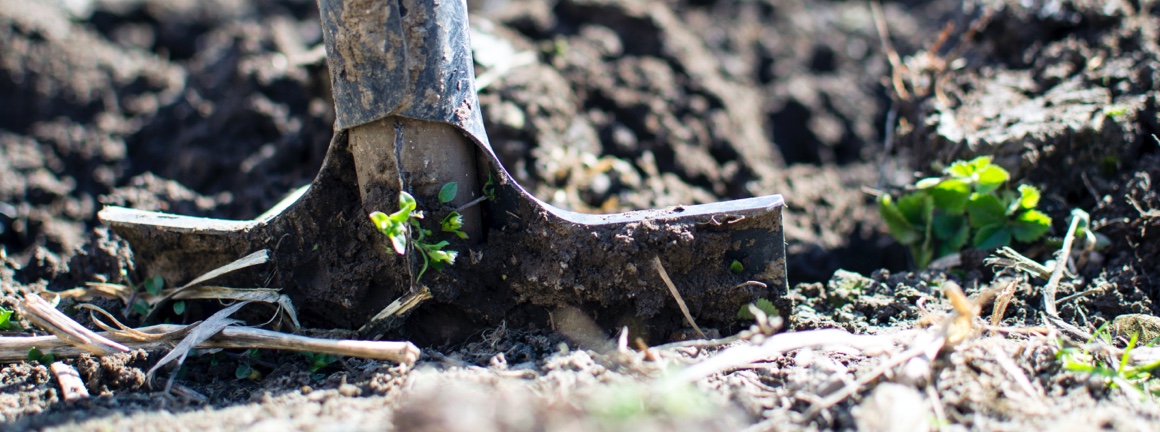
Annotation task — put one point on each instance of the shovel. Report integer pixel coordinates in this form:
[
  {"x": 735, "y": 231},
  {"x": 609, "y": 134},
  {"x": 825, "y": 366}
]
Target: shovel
[{"x": 408, "y": 121}]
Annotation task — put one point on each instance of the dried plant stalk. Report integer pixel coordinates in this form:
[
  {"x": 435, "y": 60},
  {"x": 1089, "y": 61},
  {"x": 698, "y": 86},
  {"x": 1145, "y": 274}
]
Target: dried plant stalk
[{"x": 13, "y": 349}]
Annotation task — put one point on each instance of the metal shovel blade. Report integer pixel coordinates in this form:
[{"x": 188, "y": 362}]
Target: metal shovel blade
[{"x": 409, "y": 120}]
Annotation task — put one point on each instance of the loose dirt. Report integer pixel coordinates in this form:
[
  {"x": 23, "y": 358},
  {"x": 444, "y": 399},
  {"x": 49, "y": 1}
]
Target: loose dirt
[{"x": 221, "y": 108}]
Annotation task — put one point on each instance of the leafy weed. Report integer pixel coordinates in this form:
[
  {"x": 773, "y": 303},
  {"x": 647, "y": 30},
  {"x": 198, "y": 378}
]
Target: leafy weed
[
  {"x": 402, "y": 228},
  {"x": 968, "y": 205}
]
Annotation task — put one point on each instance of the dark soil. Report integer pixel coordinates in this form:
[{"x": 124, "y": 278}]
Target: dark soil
[{"x": 219, "y": 109}]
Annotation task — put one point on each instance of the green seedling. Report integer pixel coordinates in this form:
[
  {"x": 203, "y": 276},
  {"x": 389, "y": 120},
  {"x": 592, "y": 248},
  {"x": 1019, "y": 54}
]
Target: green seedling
[
  {"x": 489, "y": 188},
  {"x": 1115, "y": 111},
  {"x": 245, "y": 369},
  {"x": 966, "y": 206},
  {"x": 1137, "y": 379},
  {"x": 402, "y": 228},
  {"x": 179, "y": 307},
  {"x": 736, "y": 267},
  {"x": 5, "y": 318},
  {"x": 448, "y": 192},
  {"x": 141, "y": 307},
  {"x": 453, "y": 223},
  {"x": 318, "y": 362},
  {"x": 764, "y": 305},
  {"x": 36, "y": 355},
  {"x": 154, "y": 285}
]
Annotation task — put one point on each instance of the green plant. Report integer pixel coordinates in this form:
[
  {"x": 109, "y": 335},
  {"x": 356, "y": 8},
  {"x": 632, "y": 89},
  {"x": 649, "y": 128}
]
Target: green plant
[
  {"x": 489, "y": 188},
  {"x": 245, "y": 369},
  {"x": 318, "y": 362},
  {"x": 967, "y": 205},
  {"x": 5, "y": 318},
  {"x": 763, "y": 304},
  {"x": 154, "y": 285},
  {"x": 1115, "y": 111},
  {"x": 36, "y": 355},
  {"x": 1134, "y": 378},
  {"x": 402, "y": 228}
]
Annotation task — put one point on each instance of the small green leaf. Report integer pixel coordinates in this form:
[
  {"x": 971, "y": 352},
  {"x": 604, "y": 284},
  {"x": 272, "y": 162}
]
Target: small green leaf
[
  {"x": 991, "y": 178},
  {"x": 979, "y": 164},
  {"x": 398, "y": 238},
  {"x": 36, "y": 355},
  {"x": 154, "y": 285},
  {"x": 5, "y": 318},
  {"x": 407, "y": 202},
  {"x": 381, "y": 220},
  {"x": 953, "y": 230},
  {"x": 453, "y": 223},
  {"x": 951, "y": 195},
  {"x": 736, "y": 267},
  {"x": 448, "y": 192},
  {"x": 917, "y": 207},
  {"x": 1028, "y": 197},
  {"x": 319, "y": 362},
  {"x": 928, "y": 182},
  {"x": 446, "y": 257},
  {"x": 900, "y": 228},
  {"x": 1030, "y": 225},
  {"x": 141, "y": 307},
  {"x": 489, "y": 188},
  {"x": 762, "y": 304},
  {"x": 962, "y": 169},
  {"x": 992, "y": 236},
  {"x": 244, "y": 371},
  {"x": 179, "y": 307},
  {"x": 985, "y": 210}
]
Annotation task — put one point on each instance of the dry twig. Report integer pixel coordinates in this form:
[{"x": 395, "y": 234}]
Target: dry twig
[
  {"x": 259, "y": 257},
  {"x": 44, "y": 315},
  {"x": 1002, "y": 300},
  {"x": 676, "y": 295},
  {"x": 71, "y": 385},
  {"x": 776, "y": 345},
  {"x": 199, "y": 333},
  {"x": 1060, "y": 263},
  {"x": 14, "y": 349}
]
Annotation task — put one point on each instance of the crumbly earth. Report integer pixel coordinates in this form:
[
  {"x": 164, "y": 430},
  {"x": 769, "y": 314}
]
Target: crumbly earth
[{"x": 219, "y": 108}]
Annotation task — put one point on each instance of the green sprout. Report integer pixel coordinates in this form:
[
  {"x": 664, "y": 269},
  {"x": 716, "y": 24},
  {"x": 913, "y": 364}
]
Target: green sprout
[
  {"x": 736, "y": 267},
  {"x": 453, "y": 223},
  {"x": 5, "y": 318},
  {"x": 1137, "y": 378},
  {"x": 1115, "y": 111},
  {"x": 448, "y": 192},
  {"x": 245, "y": 369},
  {"x": 247, "y": 372},
  {"x": 489, "y": 187},
  {"x": 154, "y": 285},
  {"x": 318, "y": 362},
  {"x": 763, "y": 304},
  {"x": 967, "y": 205},
  {"x": 36, "y": 355},
  {"x": 402, "y": 228},
  {"x": 141, "y": 307}
]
